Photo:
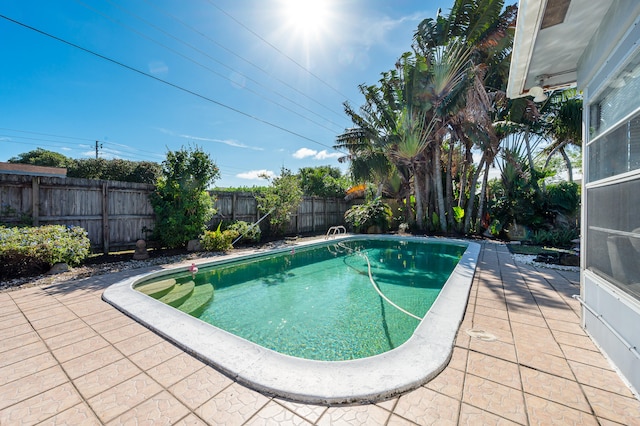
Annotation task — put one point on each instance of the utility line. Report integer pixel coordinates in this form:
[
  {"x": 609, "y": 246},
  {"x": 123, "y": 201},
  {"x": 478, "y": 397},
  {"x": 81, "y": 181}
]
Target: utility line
[
  {"x": 278, "y": 50},
  {"x": 211, "y": 70},
  {"x": 168, "y": 83},
  {"x": 258, "y": 67}
]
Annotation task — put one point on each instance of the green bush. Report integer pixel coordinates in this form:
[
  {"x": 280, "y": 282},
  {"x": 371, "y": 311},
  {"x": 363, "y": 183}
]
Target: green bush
[
  {"x": 559, "y": 237},
  {"x": 28, "y": 250},
  {"x": 371, "y": 213},
  {"x": 218, "y": 240},
  {"x": 242, "y": 228}
]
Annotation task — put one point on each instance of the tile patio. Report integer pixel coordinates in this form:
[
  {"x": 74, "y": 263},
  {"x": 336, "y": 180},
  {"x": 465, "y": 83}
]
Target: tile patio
[{"x": 67, "y": 357}]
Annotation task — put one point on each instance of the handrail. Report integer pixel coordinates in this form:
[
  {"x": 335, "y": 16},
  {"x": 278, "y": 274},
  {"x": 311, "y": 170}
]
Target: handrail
[{"x": 335, "y": 230}]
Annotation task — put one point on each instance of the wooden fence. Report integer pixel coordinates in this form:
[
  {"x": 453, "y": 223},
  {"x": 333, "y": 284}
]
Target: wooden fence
[
  {"x": 315, "y": 214},
  {"x": 115, "y": 213}
]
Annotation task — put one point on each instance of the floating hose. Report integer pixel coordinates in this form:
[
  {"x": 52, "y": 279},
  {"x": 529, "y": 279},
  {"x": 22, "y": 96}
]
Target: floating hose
[{"x": 375, "y": 286}]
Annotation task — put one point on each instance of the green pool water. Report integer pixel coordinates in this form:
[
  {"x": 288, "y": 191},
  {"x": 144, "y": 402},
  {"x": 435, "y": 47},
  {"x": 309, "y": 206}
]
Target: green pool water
[{"x": 318, "y": 302}]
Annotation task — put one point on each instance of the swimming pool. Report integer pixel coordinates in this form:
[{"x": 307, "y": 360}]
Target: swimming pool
[
  {"x": 413, "y": 362},
  {"x": 318, "y": 302}
]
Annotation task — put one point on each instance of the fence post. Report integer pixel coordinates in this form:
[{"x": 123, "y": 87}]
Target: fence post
[
  {"x": 105, "y": 218},
  {"x": 35, "y": 200}
]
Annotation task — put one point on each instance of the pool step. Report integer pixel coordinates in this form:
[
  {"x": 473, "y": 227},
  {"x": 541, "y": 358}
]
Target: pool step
[
  {"x": 178, "y": 294},
  {"x": 157, "y": 289},
  {"x": 200, "y": 298}
]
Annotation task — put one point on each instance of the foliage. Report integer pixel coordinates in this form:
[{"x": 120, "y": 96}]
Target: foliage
[
  {"x": 323, "y": 181},
  {"x": 180, "y": 202},
  {"x": 218, "y": 240},
  {"x": 250, "y": 189},
  {"x": 281, "y": 199},
  {"x": 21, "y": 219},
  {"x": 26, "y": 250},
  {"x": 563, "y": 197},
  {"x": 117, "y": 169},
  {"x": 559, "y": 237},
  {"x": 371, "y": 213},
  {"x": 42, "y": 157},
  {"x": 243, "y": 228}
]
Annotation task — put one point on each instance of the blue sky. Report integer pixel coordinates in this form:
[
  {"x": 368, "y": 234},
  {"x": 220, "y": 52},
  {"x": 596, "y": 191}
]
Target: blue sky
[{"x": 259, "y": 84}]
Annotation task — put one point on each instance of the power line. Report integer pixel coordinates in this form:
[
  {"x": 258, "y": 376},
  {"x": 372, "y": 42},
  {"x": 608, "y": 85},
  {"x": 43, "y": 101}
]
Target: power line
[
  {"x": 204, "y": 66},
  {"x": 230, "y": 51},
  {"x": 175, "y": 86},
  {"x": 278, "y": 50}
]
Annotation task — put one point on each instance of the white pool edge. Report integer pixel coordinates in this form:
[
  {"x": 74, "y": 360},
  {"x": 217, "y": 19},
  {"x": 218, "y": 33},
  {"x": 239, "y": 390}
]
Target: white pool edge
[{"x": 365, "y": 380}]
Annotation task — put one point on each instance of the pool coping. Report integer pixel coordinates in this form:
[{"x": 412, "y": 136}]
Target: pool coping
[{"x": 366, "y": 380}]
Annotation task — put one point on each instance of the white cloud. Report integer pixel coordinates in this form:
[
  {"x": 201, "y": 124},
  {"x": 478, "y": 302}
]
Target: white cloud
[
  {"x": 256, "y": 174},
  {"x": 158, "y": 68},
  {"x": 304, "y": 153},
  {"x": 317, "y": 155}
]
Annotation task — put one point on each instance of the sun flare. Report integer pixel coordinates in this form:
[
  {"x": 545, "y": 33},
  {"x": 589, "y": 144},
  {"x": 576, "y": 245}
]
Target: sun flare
[{"x": 307, "y": 17}]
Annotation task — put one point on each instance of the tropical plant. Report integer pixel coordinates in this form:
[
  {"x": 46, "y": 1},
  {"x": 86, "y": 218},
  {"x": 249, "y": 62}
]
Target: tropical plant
[
  {"x": 323, "y": 181},
  {"x": 218, "y": 240},
  {"x": 247, "y": 231},
  {"x": 180, "y": 201},
  {"x": 374, "y": 213},
  {"x": 280, "y": 200}
]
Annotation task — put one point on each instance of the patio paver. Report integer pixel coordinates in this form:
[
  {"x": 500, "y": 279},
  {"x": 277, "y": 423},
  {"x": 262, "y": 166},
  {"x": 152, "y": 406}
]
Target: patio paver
[{"x": 67, "y": 357}]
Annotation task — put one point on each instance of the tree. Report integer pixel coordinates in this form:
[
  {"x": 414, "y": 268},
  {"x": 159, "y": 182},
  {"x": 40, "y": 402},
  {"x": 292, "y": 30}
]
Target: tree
[
  {"x": 323, "y": 181},
  {"x": 280, "y": 199},
  {"x": 42, "y": 157},
  {"x": 181, "y": 203}
]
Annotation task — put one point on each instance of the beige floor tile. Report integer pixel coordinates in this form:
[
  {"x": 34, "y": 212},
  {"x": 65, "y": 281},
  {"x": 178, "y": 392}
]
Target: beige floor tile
[
  {"x": 26, "y": 367},
  {"x": 124, "y": 333},
  {"x": 601, "y": 378},
  {"x": 544, "y": 412},
  {"x": 459, "y": 359},
  {"x": 71, "y": 337},
  {"x": 90, "y": 306},
  {"x": 79, "y": 414},
  {"x": 80, "y": 348},
  {"x": 92, "y": 361},
  {"x": 567, "y": 327},
  {"x": 275, "y": 414},
  {"x": 473, "y": 416},
  {"x": 499, "y": 313},
  {"x": 449, "y": 382},
  {"x": 68, "y": 326},
  {"x": 102, "y": 316},
  {"x": 22, "y": 352},
  {"x": 54, "y": 320},
  {"x": 14, "y": 332},
  {"x": 576, "y": 340},
  {"x": 491, "y": 303},
  {"x": 494, "y": 369},
  {"x": 41, "y": 406},
  {"x": 613, "y": 407},
  {"x": 21, "y": 390},
  {"x": 388, "y": 405},
  {"x": 536, "y": 320},
  {"x": 154, "y": 355},
  {"x": 234, "y": 405},
  {"x": 544, "y": 362},
  {"x": 496, "y": 349},
  {"x": 113, "y": 324},
  {"x": 175, "y": 369},
  {"x": 13, "y": 319},
  {"x": 395, "y": 420},
  {"x": 18, "y": 341},
  {"x": 191, "y": 420},
  {"x": 355, "y": 415},
  {"x": 161, "y": 409},
  {"x": 425, "y": 406},
  {"x": 138, "y": 343},
  {"x": 121, "y": 398},
  {"x": 308, "y": 412},
  {"x": 553, "y": 388},
  {"x": 99, "y": 380},
  {"x": 595, "y": 359},
  {"x": 200, "y": 387},
  {"x": 493, "y": 397}
]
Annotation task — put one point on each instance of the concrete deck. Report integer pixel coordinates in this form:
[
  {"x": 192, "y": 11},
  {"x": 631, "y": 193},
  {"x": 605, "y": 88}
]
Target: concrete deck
[{"x": 67, "y": 357}]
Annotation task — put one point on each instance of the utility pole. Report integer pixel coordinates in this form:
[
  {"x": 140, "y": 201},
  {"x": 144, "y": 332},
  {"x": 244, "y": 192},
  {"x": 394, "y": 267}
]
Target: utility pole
[{"x": 98, "y": 145}]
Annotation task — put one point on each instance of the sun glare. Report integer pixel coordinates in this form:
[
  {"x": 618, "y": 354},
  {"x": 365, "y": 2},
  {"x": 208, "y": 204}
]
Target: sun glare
[{"x": 307, "y": 17}]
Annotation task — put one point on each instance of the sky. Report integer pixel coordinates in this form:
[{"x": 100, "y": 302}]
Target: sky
[{"x": 258, "y": 84}]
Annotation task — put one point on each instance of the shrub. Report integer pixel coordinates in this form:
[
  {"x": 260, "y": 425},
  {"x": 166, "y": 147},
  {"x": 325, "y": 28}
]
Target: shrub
[
  {"x": 242, "y": 228},
  {"x": 218, "y": 240},
  {"x": 371, "y": 213},
  {"x": 559, "y": 237},
  {"x": 28, "y": 250},
  {"x": 281, "y": 199}
]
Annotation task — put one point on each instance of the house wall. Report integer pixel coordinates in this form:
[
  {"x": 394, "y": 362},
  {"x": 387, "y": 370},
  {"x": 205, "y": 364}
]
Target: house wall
[{"x": 610, "y": 276}]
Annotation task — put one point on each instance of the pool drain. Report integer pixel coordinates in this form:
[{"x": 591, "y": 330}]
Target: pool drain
[{"x": 481, "y": 335}]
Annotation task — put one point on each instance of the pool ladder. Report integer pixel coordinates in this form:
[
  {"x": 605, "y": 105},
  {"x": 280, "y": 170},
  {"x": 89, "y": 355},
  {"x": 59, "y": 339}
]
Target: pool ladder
[{"x": 335, "y": 230}]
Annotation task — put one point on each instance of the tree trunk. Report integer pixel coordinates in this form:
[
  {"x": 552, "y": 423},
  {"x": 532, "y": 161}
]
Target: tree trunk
[
  {"x": 568, "y": 161},
  {"x": 483, "y": 194},
  {"x": 472, "y": 195},
  {"x": 437, "y": 170},
  {"x": 449, "y": 177},
  {"x": 418, "y": 196}
]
